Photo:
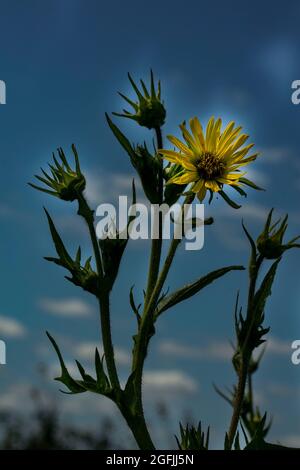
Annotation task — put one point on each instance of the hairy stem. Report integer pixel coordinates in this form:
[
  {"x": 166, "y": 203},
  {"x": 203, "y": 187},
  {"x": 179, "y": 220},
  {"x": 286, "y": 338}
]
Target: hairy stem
[
  {"x": 146, "y": 328},
  {"x": 238, "y": 401},
  {"x": 156, "y": 244},
  {"x": 107, "y": 340},
  {"x": 138, "y": 427},
  {"x": 103, "y": 296},
  {"x": 245, "y": 356}
]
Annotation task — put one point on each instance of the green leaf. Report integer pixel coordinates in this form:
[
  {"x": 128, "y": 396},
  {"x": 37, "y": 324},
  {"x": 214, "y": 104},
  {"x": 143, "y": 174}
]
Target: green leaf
[
  {"x": 73, "y": 385},
  {"x": 237, "y": 442},
  {"x": 258, "y": 442},
  {"x": 252, "y": 263},
  {"x": 103, "y": 385},
  {"x": 228, "y": 200},
  {"x": 250, "y": 183},
  {"x": 264, "y": 291},
  {"x": 59, "y": 246},
  {"x": 191, "y": 289},
  {"x": 89, "y": 383},
  {"x": 135, "y": 308},
  {"x": 240, "y": 190},
  {"x": 120, "y": 137},
  {"x": 112, "y": 250}
]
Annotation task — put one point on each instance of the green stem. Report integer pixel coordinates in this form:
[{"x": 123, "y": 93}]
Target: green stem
[
  {"x": 245, "y": 357},
  {"x": 103, "y": 296},
  {"x": 250, "y": 388},
  {"x": 156, "y": 245},
  {"x": 88, "y": 215},
  {"x": 238, "y": 401},
  {"x": 138, "y": 427},
  {"x": 142, "y": 339},
  {"x": 107, "y": 340}
]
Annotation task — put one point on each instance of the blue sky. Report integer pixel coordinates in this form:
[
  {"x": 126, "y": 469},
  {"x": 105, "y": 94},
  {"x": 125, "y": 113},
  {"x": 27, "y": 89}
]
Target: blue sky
[{"x": 63, "y": 63}]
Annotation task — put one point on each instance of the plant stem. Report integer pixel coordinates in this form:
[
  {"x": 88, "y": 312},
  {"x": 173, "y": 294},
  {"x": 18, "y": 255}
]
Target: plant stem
[
  {"x": 138, "y": 427},
  {"x": 238, "y": 401},
  {"x": 245, "y": 356},
  {"x": 103, "y": 296},
  {"x": 107, "y": 340},
  {"x": 143, "y": 337},
  {"x": 156, "y": 244}
]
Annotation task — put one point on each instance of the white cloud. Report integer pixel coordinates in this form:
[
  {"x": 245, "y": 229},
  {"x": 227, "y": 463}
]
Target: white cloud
[
  {"x": 291, "y": 440},
  {"x": 259, "y": 177},
  {"x": 86, "y": 351},
  {"x": 278, "y": 346},
  {"x": 252, "y": 211},
  {"x": 169, "y": 381},
  {"x": 13, "y": 398},
  {"x": 275, "y": 154},
  {"x": 71, "y": 307},
  {"x": 106, "y": 187},
  {"x": 221, "y": 351},
  {"x": 11, "y": 327}
]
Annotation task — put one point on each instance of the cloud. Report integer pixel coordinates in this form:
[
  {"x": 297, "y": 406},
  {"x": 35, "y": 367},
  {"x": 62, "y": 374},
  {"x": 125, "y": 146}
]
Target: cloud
[
  {"x": 86, "y": 351},
  {"x": 291, "y": 440},
  {"x": 278, "y": 59},
  {"x": 253, "y": 211},
  {"x": 275, "y": 154},
  {"x": 106, "y": 187},
  {"x": 278, "y": 346},
  {"x": 221, "y": 351},
  {"x": 258, "y": 177},
  {"x": 218, "y": 350},
  {"x": 169, "y": 381},
  {"x": 71, "y": 307},
  {"x": 11, "y": 327},
  {"x": 14, "y": 397}
]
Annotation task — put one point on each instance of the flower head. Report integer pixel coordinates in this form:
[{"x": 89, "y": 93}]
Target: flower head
[
  {"x": 64, "y": 182},
  {"x": 149, "y": 111},
  {"x": 270, "y": 242},
  {"x": 212, "y": 159}
]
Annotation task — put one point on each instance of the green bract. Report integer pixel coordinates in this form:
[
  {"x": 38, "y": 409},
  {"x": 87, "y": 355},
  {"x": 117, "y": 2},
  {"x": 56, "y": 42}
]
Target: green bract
[
  {"x": 270, "y": 241},
  {"x": 149, "y": 111},
  {"x": 64, "y": 183}
]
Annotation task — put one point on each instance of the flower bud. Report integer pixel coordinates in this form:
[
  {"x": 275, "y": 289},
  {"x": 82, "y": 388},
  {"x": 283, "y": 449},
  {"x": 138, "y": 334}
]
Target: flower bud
[
  {"x": 149, "y": 111},
  {"x": 270, "y": 241},
  {"x": 65, "y": 183}
]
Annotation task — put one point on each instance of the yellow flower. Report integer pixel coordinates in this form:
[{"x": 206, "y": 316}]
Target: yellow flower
[{"x": 212, "y": 159}]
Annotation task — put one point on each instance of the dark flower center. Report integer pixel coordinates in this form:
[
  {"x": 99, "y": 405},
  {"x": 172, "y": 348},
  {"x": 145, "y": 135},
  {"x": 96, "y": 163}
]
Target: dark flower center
[{"x": 209, "y": 166}]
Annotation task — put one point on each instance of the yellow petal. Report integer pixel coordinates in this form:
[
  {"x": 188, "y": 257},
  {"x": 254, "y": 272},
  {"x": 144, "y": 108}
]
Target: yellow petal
[
  {"x": 226, "y": 141},
  {"x": 213, "y": 185},
  {"x": 170, "y": 155},
  {"x": 197, "y": 131},
  {"x": 184, "y": 148},
  {"x": 227, "y": 132},
  {"x": 209, "y": 133},
  {"x": 202, "y": 192},
  {"x": 194, "y": 146},
  {"x": 240, "y": 141},
  {"x": 186, "y": 163},
  {"x": 235, "y": 176},
  {"x": 185, "y": 178},
  {"x": 197, "y": 186}
]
